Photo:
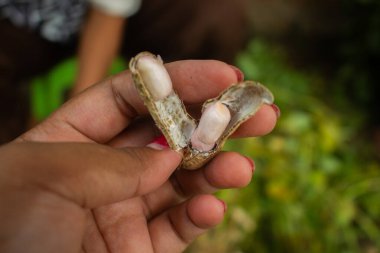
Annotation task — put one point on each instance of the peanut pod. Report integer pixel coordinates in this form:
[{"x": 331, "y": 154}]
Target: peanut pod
[{"x": 180, "y": 130}]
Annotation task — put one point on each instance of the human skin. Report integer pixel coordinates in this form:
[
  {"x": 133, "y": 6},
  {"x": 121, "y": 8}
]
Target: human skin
[
  {"x": 96, "y": 53},
  {"x": 84, "y": 180}
]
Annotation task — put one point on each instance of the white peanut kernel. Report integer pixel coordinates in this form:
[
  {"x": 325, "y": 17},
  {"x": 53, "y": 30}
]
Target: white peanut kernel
[
  {"x": 155, "y": 77},
  {"x": 212, "y": 124}
]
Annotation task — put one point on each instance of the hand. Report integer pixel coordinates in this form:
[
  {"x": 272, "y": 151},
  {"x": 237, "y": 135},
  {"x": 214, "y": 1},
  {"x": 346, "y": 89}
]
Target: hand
[{"x": 83, "y": 180}]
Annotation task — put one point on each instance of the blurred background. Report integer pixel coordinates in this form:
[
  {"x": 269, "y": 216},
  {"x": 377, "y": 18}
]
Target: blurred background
[
  {"x": 317, "y": 180},
  {"x": 317, "y": 183}
]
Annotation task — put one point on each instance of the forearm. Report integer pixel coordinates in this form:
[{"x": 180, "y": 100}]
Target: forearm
[{"x": 99, "y": 44}]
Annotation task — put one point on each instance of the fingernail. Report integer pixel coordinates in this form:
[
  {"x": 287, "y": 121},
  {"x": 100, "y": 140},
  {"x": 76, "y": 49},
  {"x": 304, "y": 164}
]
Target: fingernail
[
  {"x": 251, "y": 162},
  {"x": 276, "y": 110},
  {"x": 224, "y": 205},
  {"x": 159, "y": 143},
  {"x": 239, "y": 73}
]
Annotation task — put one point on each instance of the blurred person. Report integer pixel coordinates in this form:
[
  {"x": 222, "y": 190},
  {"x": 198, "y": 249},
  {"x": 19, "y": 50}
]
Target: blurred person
[
  {"x": 75, "y": 184},
  {"x": 38, "y": 34}
]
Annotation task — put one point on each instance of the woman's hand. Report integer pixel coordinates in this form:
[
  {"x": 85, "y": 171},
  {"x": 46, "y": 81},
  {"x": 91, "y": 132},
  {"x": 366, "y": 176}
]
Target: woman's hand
[{"x": 84, "y": 180}]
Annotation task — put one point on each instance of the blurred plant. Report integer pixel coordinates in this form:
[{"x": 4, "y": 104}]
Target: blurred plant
[{"x": 314, "y": 189}]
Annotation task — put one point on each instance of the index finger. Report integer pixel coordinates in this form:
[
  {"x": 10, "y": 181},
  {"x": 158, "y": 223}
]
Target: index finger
[{"x": 104, "y": 110}]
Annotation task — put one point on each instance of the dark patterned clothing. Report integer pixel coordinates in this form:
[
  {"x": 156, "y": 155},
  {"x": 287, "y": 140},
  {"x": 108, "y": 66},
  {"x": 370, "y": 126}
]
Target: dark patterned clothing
[
  {"x": 60, "y": 20},
  {"x": 54, "y": 20}
]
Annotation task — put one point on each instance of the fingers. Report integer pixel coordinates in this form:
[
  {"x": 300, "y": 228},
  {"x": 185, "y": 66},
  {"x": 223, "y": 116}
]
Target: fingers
[
  {"x": 89, "y": 174},
  {"x": 123, "y": 226},
  {"x": 261, "y": 123},
  {"x": 189, "y": 219},
  {"x": 175, "y": 229},
  {"x": 226, "y": 170},
  {"x": 93, "y": 238},
  {"x": 195, "y": 84},
  {"x": 104, "y": 110}
]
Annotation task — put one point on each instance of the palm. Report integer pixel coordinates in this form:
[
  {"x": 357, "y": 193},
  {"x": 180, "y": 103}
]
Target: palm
[
  {"x": 111, "y": 225},
  {"x": 128, "y": 226}
]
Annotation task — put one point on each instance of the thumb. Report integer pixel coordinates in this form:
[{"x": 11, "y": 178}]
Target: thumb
[{"x": 90, "y": 175}]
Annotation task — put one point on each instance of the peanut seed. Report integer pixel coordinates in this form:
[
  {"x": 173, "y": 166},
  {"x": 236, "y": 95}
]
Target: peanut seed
[
  {"x": 212, "y": 124},
  {"x": 155, "y": 77}
]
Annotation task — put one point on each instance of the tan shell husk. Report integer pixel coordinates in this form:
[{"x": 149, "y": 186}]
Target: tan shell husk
[
  {"x": 242, "y": 99},
  {"x": 169, "y": 113}
]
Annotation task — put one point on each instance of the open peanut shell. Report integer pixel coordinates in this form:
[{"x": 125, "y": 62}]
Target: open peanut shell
[{"x": 169, "y": 113}]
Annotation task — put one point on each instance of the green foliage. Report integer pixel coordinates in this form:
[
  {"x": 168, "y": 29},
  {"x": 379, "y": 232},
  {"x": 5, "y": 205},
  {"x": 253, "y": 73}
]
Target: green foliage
[
  {"x": 49, "y": 91},
  {"x": 315, "y": 188}
]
